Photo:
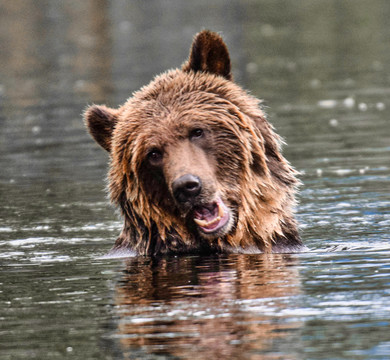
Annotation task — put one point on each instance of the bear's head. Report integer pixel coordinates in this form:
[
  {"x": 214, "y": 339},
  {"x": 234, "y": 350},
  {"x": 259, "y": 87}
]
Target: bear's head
[{"x": 194, "y": 163}]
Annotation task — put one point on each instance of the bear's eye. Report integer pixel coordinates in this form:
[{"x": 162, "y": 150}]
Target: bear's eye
[
  {"x": 155, "y": 157},
  {"x": 196, "y": 133}
]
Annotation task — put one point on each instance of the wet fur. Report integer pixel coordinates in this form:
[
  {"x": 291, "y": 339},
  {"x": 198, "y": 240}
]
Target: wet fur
[{"x": 240, "y": 158}]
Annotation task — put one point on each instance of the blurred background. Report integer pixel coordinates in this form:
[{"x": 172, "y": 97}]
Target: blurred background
[{"x": 322, "y": 68}]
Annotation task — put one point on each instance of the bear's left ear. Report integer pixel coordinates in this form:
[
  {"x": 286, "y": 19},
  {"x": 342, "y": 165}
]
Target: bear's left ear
[
  {"x": 100, "y": 121},
  {"x": 209, "y": 53}
]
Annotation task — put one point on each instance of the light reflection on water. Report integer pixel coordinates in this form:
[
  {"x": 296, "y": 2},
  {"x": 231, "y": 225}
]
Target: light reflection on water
[{"x": 321, "y": 68}]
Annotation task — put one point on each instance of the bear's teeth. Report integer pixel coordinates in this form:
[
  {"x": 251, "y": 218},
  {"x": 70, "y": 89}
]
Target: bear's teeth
[
  {"x": 221, "y": 213},
  {"x": 204, "y": 223}
]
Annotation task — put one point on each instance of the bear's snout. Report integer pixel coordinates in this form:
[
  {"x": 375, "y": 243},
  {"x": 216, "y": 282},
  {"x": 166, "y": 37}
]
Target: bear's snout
[{"x": 186, "y": 188}]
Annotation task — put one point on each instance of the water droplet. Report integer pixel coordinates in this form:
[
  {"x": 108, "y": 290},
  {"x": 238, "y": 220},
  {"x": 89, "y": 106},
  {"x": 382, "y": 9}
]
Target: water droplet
[
  {"x": 315, "y": 83},
  {"x": 362, "y": 106},
  {"x": 267, "y": 30},
  {"x": 327, "y": 104},
  {"x": 380, "y": 106},
  {"x": 342, "y": 172},
  {"x": 36, "y": 130},
  {"x": 251, "y": 67},
  {"x": 349, "y": 102}
]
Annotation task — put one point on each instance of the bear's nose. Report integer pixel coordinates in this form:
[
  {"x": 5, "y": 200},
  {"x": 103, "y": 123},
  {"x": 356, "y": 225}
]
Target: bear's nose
[{"x": 186, "y": 187}]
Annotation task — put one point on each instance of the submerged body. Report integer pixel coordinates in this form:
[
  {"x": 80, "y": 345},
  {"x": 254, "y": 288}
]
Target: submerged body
[{"x": 195, "y": 166}]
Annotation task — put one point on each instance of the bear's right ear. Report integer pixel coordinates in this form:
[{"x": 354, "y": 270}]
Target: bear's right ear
[
  {"x": 209, "y": 54},
  {"x": 100, "y": 121}
]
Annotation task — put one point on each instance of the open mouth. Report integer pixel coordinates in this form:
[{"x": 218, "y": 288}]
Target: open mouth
[{"x": 211, "y": 217}]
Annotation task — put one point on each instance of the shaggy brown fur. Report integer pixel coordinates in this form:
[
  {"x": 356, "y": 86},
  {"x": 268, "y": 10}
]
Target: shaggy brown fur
[{"x": 195, "y": 166}]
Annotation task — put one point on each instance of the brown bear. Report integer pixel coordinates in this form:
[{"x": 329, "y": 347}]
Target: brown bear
[{"x": 194, "y": 165}]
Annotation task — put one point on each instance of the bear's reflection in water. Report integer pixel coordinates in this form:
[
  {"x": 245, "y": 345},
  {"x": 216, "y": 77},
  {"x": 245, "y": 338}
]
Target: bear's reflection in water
[{"x": 218, "y": 307}]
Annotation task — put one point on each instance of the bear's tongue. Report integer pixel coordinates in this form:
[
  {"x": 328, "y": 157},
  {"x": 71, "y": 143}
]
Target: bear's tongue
[
  {"x": 210, "y": 217},
  {"x": 206, "y": 213}
]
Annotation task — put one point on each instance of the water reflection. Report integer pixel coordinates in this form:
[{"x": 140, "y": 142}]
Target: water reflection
[
  {"x": 320, "y": 66},
  {"x": 214, "y": 306},
  {"x": 54, "y": 52}
]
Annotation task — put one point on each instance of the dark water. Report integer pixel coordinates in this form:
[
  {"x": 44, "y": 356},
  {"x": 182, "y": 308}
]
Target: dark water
[{"x": 323, "y": 69}]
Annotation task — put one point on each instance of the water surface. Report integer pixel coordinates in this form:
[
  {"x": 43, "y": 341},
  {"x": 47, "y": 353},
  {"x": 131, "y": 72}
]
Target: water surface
[{"x": 322, "y": 68}]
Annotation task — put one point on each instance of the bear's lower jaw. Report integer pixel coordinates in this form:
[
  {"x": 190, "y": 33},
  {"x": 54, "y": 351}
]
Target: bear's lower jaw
[{"x": 212, "y": 219}]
